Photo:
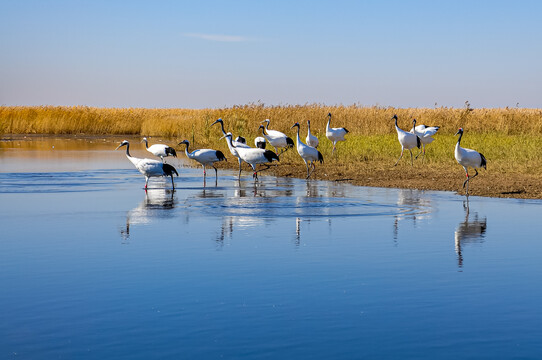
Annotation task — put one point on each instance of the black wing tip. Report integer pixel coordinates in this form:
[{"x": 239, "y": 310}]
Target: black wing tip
[
  {"x": 418, "y": 142},
  {"x": 270, "y": 155},
  {"x": 320, "y": 157},
  {"x": 220, "y": 156},
  {"x": 346, "y": 130},
  {"x": 171, "y": 151},
  {"x": 483, "y": 163},
  {"x": 289, "y": 142},
  {"x": 169, "y": 170}
]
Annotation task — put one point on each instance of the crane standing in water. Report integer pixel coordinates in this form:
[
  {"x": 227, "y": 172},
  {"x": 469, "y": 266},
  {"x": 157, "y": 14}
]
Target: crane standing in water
[{"x": 148, "y": 167}]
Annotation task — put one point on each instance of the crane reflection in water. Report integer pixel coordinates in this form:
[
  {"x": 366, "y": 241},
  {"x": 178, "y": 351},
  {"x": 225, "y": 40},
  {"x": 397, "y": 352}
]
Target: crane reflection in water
[
  {"x": 157, "y": 203},
  {"x": 470, "y": 231}
]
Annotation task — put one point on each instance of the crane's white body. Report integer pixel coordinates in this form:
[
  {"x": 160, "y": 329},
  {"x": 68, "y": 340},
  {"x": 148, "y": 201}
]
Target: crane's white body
[
  {"x": 253, "y": 156},
  {"x": 334, "y": 134},
  {"x": 309, "y": 154},
  {"x": 276, "y": 138},
  {"x": 311, "y": 139},
  {"x": 468, "y": 158},
  {"x": 233, "y": 145},
  {"x": 149, "y": 167},
  {"x": 206, "y": 157},
  {"x": 407, "y": 140},
  {"x": 160, "y": 150},
  {"x": 425, "y": 133}
]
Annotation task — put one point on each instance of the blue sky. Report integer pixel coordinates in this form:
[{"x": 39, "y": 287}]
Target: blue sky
[{"x": 199, "y": 54}]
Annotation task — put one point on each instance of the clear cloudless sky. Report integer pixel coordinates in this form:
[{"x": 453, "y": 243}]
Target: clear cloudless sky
[{"x": 210, "y": 54}]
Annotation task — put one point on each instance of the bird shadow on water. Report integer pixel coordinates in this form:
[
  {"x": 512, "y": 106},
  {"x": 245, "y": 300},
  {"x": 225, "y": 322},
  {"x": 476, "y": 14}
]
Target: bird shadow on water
[
  {"x": 157, "y": 204},
  {"x": 470, "y": 231}
]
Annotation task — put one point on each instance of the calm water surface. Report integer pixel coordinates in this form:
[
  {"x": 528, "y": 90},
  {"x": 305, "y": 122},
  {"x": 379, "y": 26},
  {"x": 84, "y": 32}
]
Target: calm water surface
[{"x": 92, "y": 267}]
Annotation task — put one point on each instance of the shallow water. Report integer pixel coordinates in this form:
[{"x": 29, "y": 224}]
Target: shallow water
[{"x": 92, "y": 267}]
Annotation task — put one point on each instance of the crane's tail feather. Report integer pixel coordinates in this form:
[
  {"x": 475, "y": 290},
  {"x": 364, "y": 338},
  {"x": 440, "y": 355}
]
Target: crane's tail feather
[
  {"x": 270, "y": 156},
  {"x": 220, "y": 156},
  {"x": 171, "y": 151},
  {"x": 289, "y": 142},
  {"x": 483, "y": 163},
  {"x": 169, "y": 170},
  {"x": 320, "y": 157}
]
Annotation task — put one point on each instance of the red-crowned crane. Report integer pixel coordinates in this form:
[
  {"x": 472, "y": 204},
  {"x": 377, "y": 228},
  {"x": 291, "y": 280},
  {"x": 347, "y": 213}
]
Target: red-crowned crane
[
  {"x": 160, "y": 150},
  {"x": 309, "y": 154},
  {"x": 253, "y": 156},
  {"x": 311, "y": 140},
  {"x": 334, "y": 134},
  {"x": 468, "y": 158},
  {"x": 148, "y": 167},
  {"x": 234, "y": 144},
  {"x": 425, "y": 134},
  {"x": 206, "y": 157},
  {"x": 407, "y": 140},
  {"x": 276, "y": 138}
]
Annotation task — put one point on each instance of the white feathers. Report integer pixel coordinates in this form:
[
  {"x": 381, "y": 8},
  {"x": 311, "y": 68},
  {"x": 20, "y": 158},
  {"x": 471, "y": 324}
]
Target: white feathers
[
  {"x": 160, "y": 150},
  {"x": 334, "y": 134},
  {"x": 309, "y": 154},
  {"x": 311, "y": 139},
  {"x": 407, "y": 140},
  {"x": 148, "y": 167},
  {"x": 468, "y": 158}
]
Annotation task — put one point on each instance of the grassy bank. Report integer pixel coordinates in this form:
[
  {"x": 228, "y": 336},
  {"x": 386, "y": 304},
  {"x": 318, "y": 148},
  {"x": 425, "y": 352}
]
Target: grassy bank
[{"x": 510, "y": 138}]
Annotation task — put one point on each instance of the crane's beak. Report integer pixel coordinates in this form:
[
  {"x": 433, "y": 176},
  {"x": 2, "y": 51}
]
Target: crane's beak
[
  {"x": 118, "y": 147},
  {"x": 214, "y": 123}
]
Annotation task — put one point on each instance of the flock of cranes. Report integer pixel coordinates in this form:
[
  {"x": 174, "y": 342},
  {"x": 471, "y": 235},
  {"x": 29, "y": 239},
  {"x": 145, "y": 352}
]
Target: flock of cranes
[{"x": 419, "y": 136}]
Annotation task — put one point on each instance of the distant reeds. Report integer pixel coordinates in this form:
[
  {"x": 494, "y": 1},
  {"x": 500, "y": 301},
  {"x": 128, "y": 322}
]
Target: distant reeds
[
  {"x": 245, "y": 119},
  {"x": 508, "y": 137}
]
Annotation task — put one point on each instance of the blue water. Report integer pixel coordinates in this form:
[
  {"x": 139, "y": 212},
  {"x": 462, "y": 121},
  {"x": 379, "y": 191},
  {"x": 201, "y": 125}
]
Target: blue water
[{"x": 92, "y": 267}]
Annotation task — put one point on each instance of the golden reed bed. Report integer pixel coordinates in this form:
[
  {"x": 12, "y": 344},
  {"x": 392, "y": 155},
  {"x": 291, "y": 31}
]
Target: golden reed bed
[{"x": 510, "y": 139}]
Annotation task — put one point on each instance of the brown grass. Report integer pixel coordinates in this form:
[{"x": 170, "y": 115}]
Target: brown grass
[{"x": 510, "y": 138}]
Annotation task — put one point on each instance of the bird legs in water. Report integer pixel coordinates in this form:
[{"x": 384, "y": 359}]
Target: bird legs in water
[
  {"x": 255, "y": 174},
  {"x": 147, "y": 182},
  {"x": 240, "y": 162},
  {"x": 466, "y": 182},
  {"x": 411, "y": 158},
  {"x": 313, "y": 167}
]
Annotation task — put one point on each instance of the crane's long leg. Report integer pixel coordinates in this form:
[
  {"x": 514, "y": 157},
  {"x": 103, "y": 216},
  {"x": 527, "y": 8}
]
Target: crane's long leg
[
  {"x": 466, "y": 182},
  {"x": 307, "y": 165},
  {"x": 265, "y": 168},
  {"x": 313, "y": 168},
  {"x": 146, "y": 182},
  {"x": 204, "y": 173},
  {"x": 240, "y": 161},
  {"x": 411, "y": 158},
  {"x": 216, "y": 174},
  {"x": 172, "y": 182},
  {"x": 397, "y": 162},
  {"x": 422, "y": 151}
]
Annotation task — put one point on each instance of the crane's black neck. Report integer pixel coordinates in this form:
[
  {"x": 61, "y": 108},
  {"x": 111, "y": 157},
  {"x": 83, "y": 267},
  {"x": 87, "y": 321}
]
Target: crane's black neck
[
  {"x": 222, "y": 127},
  {"x": 263, "y": 129},
  {"x": 459, "y": 140},
  {"x": 146, "y": 143},
  {"x": 128, "y": 150}
]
